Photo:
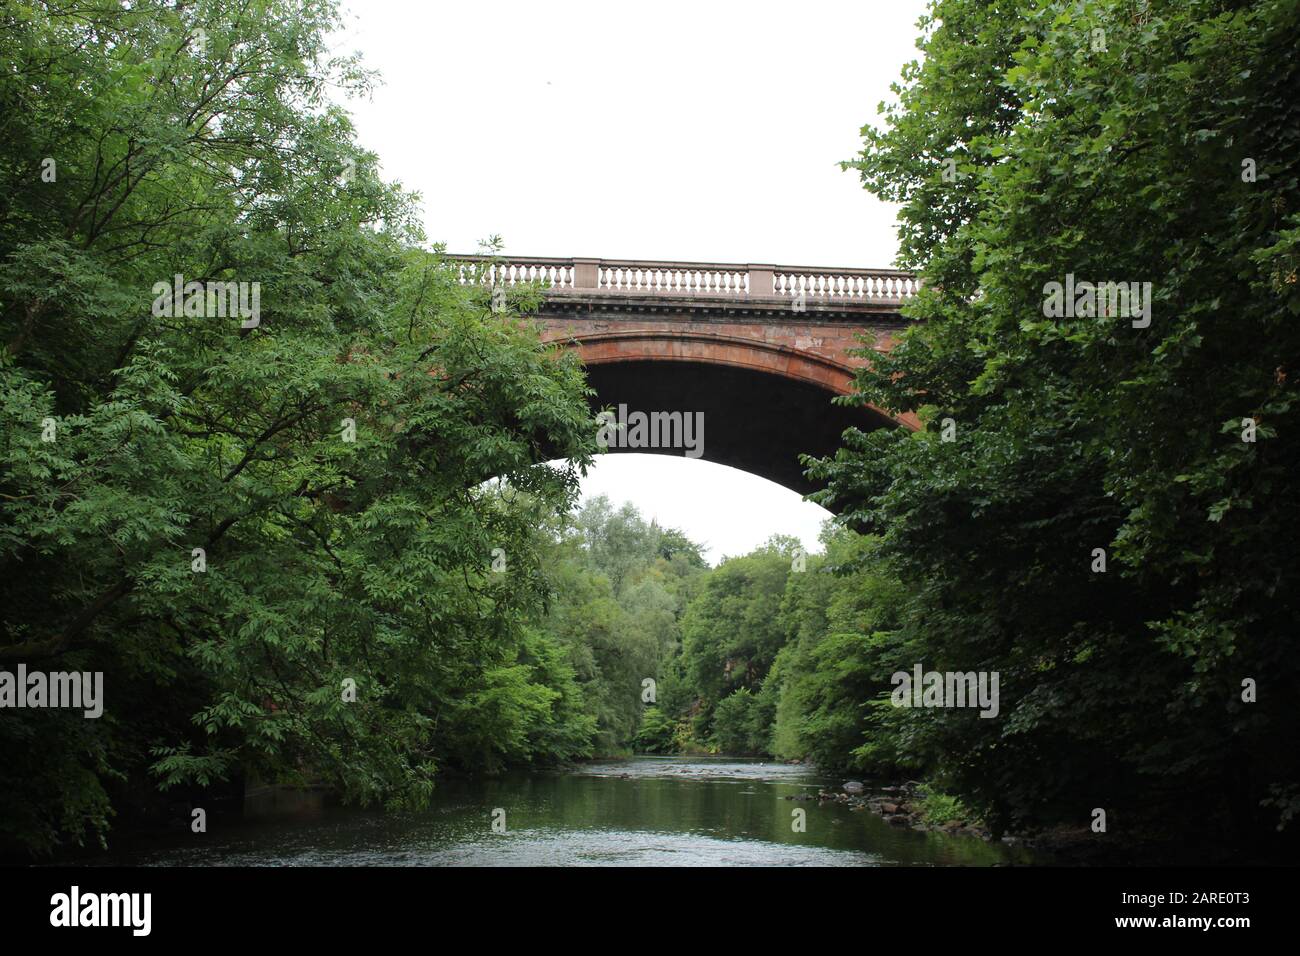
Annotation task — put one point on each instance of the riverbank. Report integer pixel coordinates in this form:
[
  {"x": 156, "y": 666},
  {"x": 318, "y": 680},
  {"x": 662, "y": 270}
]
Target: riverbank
[{"x": 912, "y": 806}]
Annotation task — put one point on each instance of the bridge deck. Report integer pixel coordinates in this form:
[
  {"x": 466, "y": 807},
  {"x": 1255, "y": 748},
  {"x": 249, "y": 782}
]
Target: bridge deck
[{"x": 645, "y": 285}]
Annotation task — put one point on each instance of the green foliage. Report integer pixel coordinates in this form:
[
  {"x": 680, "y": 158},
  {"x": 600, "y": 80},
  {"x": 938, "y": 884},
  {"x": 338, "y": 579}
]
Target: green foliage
[
  {"x": 656, "y": 733},
  {"x": 940, "y": 808},
  {"x": 618, "y": 586},
  {"x": 327, "y": 560},
  {"x": 730, "y": 631},
  {"x": 839, "y": 616},
  {"x": 1114, "y": 161},
  {"x": 739, "y": 724}
]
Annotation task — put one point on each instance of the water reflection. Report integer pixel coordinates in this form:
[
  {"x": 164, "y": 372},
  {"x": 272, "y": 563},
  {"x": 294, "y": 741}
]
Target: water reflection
[{"x": 643, "y": 811}]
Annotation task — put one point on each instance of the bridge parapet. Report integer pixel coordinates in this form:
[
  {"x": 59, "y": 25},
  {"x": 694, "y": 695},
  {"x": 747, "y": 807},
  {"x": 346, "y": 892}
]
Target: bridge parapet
[{"x": 769, "y": 285}]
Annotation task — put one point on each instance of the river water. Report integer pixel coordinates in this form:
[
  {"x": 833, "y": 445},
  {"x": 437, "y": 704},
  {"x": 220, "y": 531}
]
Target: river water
[{"x": 643, "y": 811}]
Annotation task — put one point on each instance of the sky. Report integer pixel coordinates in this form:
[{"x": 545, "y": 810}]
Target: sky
[{"x": 707, "y": 131}]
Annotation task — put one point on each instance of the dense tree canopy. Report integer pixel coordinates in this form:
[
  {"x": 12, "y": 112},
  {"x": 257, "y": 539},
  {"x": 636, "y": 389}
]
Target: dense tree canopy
[
  {"x": 272, "y": 537},
  {"x": 1108, "y": 141}
]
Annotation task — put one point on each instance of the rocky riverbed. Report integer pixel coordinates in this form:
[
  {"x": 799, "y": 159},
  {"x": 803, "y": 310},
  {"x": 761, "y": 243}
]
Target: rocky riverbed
[{"x": 899, "y": 806}]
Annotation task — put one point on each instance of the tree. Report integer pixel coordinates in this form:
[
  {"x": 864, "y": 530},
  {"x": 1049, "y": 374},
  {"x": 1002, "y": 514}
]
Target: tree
[
  {"x": 619, "y": 587},
  {"x": 1103, "y": 141},
  {"x": 269, "y": 529},
  {"x": 840, "y": 616}
]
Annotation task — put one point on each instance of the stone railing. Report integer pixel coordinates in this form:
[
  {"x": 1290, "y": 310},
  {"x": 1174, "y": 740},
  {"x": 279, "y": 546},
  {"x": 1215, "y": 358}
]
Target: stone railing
[{"x": 627, "y": 277}]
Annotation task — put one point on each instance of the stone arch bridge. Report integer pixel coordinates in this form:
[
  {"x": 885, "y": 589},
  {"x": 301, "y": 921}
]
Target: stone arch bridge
[{"x": 760, "y": 350}]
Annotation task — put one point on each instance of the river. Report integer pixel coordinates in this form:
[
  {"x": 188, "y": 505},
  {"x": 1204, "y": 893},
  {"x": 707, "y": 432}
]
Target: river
[{"x": 644, "y": 811}]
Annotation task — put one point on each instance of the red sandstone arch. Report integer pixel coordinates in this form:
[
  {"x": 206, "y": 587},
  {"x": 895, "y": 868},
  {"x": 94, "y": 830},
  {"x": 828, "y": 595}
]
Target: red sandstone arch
[{"x": 635, "y": 345}]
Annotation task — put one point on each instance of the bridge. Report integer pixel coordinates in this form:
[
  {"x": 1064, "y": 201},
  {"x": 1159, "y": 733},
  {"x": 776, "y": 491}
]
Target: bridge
[{"x": 759, "y": 349}]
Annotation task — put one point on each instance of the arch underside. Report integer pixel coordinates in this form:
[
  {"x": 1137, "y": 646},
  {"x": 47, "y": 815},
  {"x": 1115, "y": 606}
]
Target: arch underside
[{"x": 762, "y": 405}]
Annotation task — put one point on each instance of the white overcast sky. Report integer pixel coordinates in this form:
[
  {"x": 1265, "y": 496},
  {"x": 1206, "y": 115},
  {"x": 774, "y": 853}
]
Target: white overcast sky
[{"x": 706, "y": 130}]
